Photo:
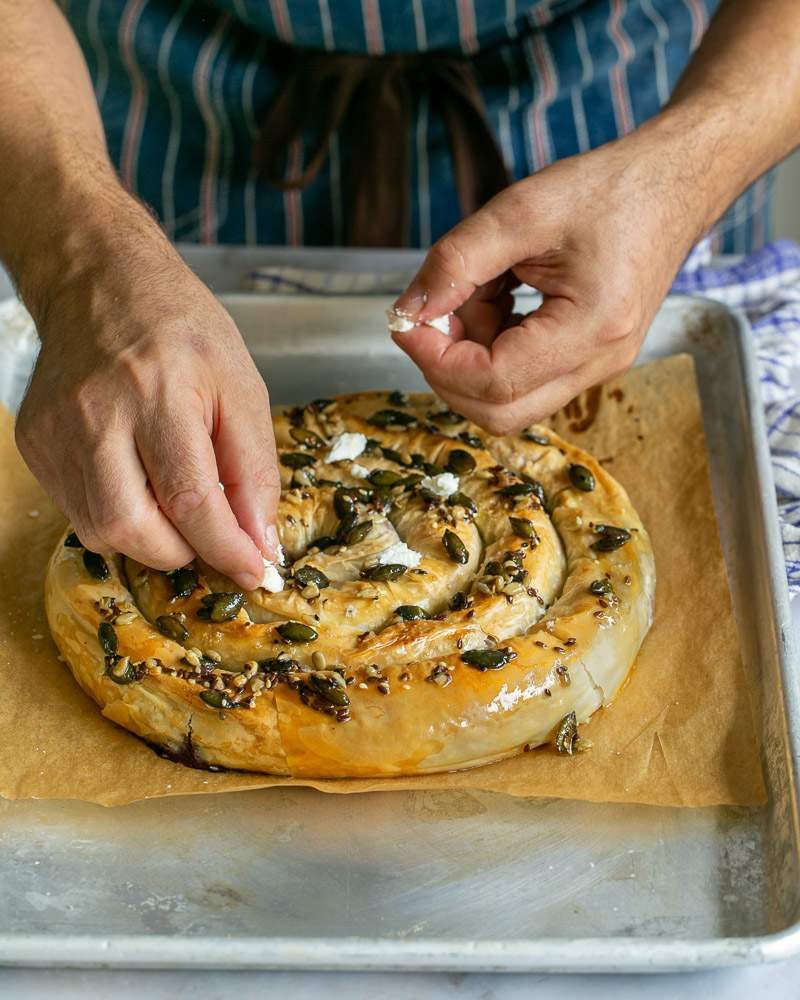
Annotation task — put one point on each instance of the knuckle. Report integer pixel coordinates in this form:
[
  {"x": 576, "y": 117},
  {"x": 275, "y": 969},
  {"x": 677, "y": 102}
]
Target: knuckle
[
  {"x": 182, "y": 501},
  {"x": 499, "y": 390},
  {"x": 445, "y": 255},
  {"x": 500, "y": 422},
  {"x": 115, "y": 531}
]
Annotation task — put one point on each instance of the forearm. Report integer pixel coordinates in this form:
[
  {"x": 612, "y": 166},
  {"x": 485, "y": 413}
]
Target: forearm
[
  {"x": 59, "y": 194},
  {"x": 736, "y": 110}
]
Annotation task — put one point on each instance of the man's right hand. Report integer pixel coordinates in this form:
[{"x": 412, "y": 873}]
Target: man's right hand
[{"x": 144, "y": 398}]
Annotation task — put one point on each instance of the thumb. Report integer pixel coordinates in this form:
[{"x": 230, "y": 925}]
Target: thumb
[{"x": 479, "y": 249}]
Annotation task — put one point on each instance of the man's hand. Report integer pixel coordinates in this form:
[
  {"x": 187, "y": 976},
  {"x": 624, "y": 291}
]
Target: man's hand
[
  {"x": 600, "y": 235},
  {"x": 143, "y": 400}
]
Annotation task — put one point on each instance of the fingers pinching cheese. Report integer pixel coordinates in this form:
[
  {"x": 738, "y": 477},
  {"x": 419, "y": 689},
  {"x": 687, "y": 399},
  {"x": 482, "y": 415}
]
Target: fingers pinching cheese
[{"x": 448, "y": 599}]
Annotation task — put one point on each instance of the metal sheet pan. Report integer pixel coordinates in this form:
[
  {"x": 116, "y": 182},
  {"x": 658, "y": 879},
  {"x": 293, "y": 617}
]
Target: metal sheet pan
[{"x": 433, "y": 880}]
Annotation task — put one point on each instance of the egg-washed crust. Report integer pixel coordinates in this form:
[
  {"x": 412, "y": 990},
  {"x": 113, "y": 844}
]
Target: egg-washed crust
[{"x": 537, "y": 601}]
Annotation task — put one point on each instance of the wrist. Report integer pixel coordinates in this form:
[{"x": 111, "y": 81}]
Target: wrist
[
  {"x": 68, "y": 235},
  {"x": 697, "y": 163}
]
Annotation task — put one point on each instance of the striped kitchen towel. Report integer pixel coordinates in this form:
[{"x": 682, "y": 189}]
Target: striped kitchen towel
[{"x": 766, "y": 287}]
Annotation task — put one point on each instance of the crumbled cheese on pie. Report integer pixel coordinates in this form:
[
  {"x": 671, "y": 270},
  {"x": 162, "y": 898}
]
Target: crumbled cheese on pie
[
  {"x": 272, "y": 580},
  {"x": 400, "y": 554},
  {"x": 359, "y": 470},
  {"x": 347, "y": 446},
  {"x": 444, "y": 485}
]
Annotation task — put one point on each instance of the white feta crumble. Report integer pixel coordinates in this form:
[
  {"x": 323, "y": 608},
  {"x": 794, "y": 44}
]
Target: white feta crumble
[
  {"x": 441, "y": 323},
  {"x": 272, "y": 580},
  {"x": 444, "y": 485},
  {"x": 347, "y": 446},
  {"x": 359, "y": 470},
  {"x": 401, "y": 322},
  {"x": 400, "y": 554}
]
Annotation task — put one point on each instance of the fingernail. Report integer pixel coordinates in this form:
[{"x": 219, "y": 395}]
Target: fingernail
[{"x": 411, "y": 302}]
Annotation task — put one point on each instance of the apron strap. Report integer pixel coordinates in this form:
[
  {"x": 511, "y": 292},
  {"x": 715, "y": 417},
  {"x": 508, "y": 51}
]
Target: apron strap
[{"x": 375, "y": 97}]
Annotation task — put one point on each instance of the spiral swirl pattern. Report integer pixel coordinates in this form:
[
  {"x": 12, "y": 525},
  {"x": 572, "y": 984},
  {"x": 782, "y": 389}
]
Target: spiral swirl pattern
[{"x": 448, "y": 598}]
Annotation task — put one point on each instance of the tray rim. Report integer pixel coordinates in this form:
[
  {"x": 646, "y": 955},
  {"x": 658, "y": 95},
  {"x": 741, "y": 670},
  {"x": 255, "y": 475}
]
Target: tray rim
[{"x": 603, "y": 954}]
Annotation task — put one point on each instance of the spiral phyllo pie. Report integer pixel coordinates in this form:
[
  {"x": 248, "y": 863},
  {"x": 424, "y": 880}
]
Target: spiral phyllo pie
[{"x": 447, "y": 598}]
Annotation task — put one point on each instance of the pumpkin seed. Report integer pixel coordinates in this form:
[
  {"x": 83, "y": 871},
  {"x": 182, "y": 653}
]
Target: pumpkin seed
[
  {"x": 329, "y": 689},
  {"x": 95, "y": 564},
  {"x": 433, "y": 470},
  {"x": 412, "y": 480},
  {"x": 446, "y": 417},
  {"x": 120, "y": 670},
  {"x": 566, "y": 735},
  {"x": 392, "y": 418},
  {"x": 538, "y": 490},
  {"x": 72, "y": 541},
  {"x": 581, "y": 478},
  {"x": 460, "y": 499},
  {"x": 601, "y": 587},
  {"x": 517, "y": 490},
  {"x": 488, "y": 659},
  {"x": 357, "y": 533},
  {"x": 458, "y": 601},
  {"x": 391, "y": 571},
  {"x": 384, "y": 477},
  {"x": 184, "y": 581},
  {"x": 220, "y": 607},
  {"x": 610, "y": 538},
  {"x": 310, "y": 574},
  {"x": 305, "y": 436},
  {"x": 297, "y": 459},
  {"x": 392, "y": 456},
  {"x": 523, "y": 528},
  {"x": 460, "y": 462},
  {"x": 107, "y": 637},
  {"x": 323, "y": 542},
  {"x": 216, "y": 699},
  {"x": 344, "y": 504},
  {"x": 455, "y": 548},
  {"x": 417, "y": 460},
  {"x": 536, "y": 438},
  {"x": 397, "y": 398},
  {"x": 169, "y": 626},
  {"x": 411, "y": 612},
  {"x": 296, "y": 632},
  {"x": 278, "y": 665},
  {"x": 471, "y": 439}
]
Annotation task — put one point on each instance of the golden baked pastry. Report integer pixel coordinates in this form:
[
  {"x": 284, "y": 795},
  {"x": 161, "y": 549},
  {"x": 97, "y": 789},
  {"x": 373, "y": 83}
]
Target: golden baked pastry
[{"x": 449, "y": 598}]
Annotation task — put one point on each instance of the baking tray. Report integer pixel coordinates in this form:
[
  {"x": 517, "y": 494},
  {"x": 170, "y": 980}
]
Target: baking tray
[{"x": 435, "y": 880}]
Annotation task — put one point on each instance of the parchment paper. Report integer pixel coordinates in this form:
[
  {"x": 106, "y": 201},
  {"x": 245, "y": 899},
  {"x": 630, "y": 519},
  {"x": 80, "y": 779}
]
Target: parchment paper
[{"x": 681, "y": 732}]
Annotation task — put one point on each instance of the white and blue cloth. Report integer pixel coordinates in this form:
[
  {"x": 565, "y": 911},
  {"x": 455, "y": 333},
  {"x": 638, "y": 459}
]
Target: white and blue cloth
[{"x": 766, "y": 287}]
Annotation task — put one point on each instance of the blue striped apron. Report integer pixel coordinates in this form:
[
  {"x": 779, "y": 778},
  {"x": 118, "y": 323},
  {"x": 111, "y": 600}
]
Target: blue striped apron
[{"x": 183, "y": 84}]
